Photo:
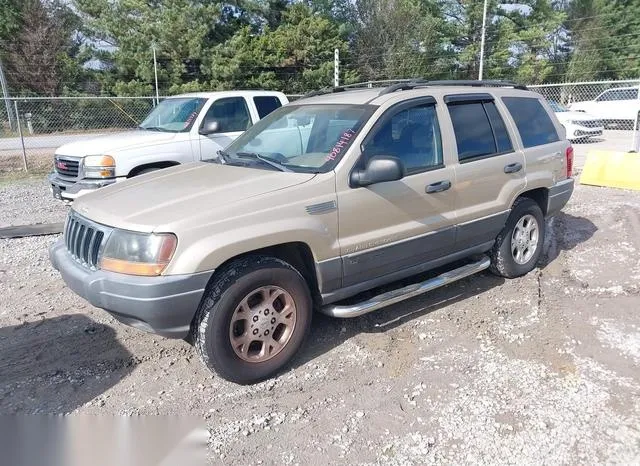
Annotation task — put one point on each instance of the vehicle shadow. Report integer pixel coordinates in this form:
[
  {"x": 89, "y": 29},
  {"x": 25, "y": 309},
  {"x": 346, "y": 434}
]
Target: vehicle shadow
[
  {"x": 328, "y": 333},
  {"x": 565, "y": 232},
  {"x": 57, "y": 365}
]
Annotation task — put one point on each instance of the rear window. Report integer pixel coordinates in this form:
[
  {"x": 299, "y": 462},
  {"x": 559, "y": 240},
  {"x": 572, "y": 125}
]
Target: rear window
[
  {"x": 532, "y": 120},
  {"x": 479, "y": 129},
  {"x": 266, "y": 104}
]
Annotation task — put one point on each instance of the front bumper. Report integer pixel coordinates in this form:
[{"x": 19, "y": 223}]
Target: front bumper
[
  {"x": 559, "y": 195},
  {"x": 69, "y": 190},
  {"x": 164, "y": 305}
]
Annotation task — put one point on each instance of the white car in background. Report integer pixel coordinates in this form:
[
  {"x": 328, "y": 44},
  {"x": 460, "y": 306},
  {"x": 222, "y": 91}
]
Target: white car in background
[
  {"x": 618, "y": 107},
  {"x": 578, "y": 125}
]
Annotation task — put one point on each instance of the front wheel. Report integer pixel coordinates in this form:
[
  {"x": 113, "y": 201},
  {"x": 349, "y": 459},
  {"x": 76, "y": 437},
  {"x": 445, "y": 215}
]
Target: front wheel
[
  {"x": 254, "y": 318},
  {"x": 519, "y": 244}
]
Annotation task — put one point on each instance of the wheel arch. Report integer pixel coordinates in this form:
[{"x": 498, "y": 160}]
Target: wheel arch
[
  {"x": 163, "y": 164},
  {"x": 539, "y": 195}
]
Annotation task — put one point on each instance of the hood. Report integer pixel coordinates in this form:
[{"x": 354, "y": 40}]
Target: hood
[
  {"x": 147, "y": 202},
  {"x": 114, "y": 142},
  {"x": 575, "y": 116}
]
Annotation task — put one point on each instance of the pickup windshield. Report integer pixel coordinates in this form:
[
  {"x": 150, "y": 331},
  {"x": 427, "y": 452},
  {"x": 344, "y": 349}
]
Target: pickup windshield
[
  {"x": 557, "y": 107},
  {"x": 173, "y": 115},
  {"x": 302, "y": 138}
]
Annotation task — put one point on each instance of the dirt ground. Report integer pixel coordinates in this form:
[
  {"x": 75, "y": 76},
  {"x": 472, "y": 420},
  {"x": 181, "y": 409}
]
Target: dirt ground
[{"x": 541, "y": 369}]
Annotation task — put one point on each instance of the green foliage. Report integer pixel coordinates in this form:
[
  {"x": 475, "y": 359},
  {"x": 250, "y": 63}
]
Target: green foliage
[{"x": 295, "y": 57}]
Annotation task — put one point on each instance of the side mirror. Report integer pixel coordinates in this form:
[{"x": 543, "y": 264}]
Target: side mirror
[
  {"x": 210, "y": 127},
  {"x": 379, "y": 169}
]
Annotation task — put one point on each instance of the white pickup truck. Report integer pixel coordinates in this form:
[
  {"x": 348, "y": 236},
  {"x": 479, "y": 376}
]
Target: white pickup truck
[{"x": 183, "y": 128}]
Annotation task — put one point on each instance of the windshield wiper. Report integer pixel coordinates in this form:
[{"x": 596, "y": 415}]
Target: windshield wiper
[
  {"x": 262, "y": 158},
  {"x": 152, "y": 128},
  {"x": 223, "y": 157}
]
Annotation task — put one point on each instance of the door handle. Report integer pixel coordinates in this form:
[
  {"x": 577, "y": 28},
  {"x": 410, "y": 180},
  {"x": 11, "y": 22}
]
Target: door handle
[
  {"x": 438, "y": 187},
  {"x": 513, "y": 168}
]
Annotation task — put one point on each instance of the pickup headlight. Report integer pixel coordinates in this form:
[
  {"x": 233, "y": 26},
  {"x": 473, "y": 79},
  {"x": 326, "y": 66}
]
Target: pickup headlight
[
  {"x": 138, "y": 253},
  {"x": 99, "y": 166}
]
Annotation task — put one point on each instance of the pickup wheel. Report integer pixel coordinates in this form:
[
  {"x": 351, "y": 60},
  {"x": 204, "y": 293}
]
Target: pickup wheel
[
  {"x": 519, "y": 245},
  {"x": 253, "y": 319}
]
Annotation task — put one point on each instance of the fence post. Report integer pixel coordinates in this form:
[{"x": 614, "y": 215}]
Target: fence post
[
  {"x": 336, "y": 68},
  {"x": 24, "y": 151},
  {"x": 636, "y": 130}
]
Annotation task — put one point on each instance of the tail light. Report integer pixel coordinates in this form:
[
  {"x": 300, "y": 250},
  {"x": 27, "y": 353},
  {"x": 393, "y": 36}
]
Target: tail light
[{"x": 569, "y": 157}]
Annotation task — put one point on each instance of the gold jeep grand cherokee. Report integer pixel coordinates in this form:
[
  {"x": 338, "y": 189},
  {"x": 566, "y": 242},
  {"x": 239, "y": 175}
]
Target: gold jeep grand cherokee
[{"x": 330, "y": 196}]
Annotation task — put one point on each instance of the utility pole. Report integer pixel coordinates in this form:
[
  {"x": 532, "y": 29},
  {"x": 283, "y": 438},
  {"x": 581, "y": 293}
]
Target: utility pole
[
  {"x": 5, "y": 95},
  {"x": 155, "y": 72},
  {"x": 336, "y": 68},
  {"x": 484, "y": 25}
]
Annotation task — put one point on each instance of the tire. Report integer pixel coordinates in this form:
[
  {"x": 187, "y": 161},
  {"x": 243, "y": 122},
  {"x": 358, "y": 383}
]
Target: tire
[
  {"x": 238, "y": 290},
  {"x": 514, "y": 237}
]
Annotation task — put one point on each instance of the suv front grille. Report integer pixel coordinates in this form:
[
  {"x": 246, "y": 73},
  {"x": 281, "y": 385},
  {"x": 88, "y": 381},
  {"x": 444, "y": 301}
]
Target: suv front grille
[
  {"x": 591, "y": 123},
  {"x": 83, "y": 240},
  {"x": 66, "y": 166}
]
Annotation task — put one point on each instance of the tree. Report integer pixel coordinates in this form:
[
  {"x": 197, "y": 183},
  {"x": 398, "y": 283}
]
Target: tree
[
  {"x": 182, "y": 31},
  {"x": 604, "y": 42},
  {"x": 295, "y": 57},
  {"x": 40, "y": 54},
  {"x": 401, "y": 39}
]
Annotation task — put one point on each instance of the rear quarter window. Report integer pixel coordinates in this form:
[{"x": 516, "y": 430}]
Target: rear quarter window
[
  {"x": 532, "y": 120},
  {"x": 266, "y": 104}
]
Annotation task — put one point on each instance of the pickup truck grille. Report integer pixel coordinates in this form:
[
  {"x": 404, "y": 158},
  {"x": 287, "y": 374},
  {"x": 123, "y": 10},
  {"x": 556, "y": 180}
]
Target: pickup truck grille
[
  {"x": 83, "y": 240},
  {"x": 67, "y": 166},
  {"x": 591, "y": 123}
]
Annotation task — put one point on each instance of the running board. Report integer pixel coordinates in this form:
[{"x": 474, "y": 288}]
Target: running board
[{"x": 395, "y": 296}]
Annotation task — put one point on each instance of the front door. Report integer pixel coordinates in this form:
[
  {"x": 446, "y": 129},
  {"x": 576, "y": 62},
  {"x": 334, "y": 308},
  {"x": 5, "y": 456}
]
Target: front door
[
  {"x": 233, "y": 117},
  {"x": 389, "y": 228}
]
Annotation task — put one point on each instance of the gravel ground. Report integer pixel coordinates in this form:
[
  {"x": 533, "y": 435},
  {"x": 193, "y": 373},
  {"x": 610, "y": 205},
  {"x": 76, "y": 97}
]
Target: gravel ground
[{"x": 541, "y": 369}]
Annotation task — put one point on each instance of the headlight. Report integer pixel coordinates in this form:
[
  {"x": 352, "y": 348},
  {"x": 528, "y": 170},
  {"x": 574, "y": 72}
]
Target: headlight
[
  {"x": 99, "y": 166},
  {"x": 138, "y": 253}
]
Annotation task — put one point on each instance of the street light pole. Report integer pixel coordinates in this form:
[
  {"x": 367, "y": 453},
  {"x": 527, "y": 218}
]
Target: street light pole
[{"x": 484, "y": 24}]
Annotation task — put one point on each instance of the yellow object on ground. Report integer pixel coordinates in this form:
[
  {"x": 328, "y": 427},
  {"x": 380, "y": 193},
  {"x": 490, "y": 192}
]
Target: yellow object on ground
[{"x": 612, "y": 169}]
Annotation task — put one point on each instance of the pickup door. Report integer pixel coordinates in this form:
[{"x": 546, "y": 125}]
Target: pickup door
[{"x": 234, "y": 116}]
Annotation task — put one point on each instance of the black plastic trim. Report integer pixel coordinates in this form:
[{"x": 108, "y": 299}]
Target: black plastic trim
[{"x": 453, "y": 99}]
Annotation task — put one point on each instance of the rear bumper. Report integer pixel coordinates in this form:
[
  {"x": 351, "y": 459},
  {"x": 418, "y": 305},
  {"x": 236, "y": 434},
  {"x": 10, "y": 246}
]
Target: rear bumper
[
  {"x": 559, "y": 195},
  {"x": 164, "y": 305},
  {"x": 70, "y": 190}
]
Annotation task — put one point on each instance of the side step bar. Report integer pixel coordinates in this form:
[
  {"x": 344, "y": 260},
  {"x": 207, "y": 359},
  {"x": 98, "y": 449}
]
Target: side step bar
[{"x": 395, "y": 296}]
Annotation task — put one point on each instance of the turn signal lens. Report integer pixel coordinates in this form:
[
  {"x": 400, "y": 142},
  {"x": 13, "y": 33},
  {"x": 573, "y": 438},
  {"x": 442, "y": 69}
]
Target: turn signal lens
[
  {"x": 569, "y": 156},
  {"x": 99, "y": 161}
]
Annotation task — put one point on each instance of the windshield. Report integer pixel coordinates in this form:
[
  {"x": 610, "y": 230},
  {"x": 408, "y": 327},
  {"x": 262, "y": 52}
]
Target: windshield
[
  {"x": 304, "y": 138},
  {"x": 173, "y": 115},
  {"x": 557, "y": 107}
]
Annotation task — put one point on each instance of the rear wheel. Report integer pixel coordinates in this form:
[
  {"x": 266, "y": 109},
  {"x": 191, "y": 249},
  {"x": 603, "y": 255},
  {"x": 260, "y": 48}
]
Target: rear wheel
[
  {"x": 253, "y": 319},
  {"x": 519, "y": 245}
]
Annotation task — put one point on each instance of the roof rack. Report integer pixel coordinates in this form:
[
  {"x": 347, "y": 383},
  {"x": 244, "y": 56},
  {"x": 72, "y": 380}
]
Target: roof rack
[
  {"x": 405, "y": 86},
  {"x": 326, "y": 90}
]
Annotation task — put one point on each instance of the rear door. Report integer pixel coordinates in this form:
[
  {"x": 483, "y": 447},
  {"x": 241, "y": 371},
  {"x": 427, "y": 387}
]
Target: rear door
[
  {"x": 538, "y": 134},
  {"x": 233, "y": 116},
  {"x": 489, "y": 171}
]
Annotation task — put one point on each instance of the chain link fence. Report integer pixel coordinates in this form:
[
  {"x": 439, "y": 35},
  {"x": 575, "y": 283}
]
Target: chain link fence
[
  {"x": 32, "y": 128},
  {"x": 603, "y": 114},
  {"x": 600, "y": 114}
]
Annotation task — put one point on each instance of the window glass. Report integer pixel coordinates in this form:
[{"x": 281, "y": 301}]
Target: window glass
[
  {"x": 266, "y": 104},
  {"x": 173, "y": 115},
  {"x": 231, "y": 114},
  {"x": 503, "y": 141},
  {"x": 305, "y": 138},
  {"x": 533, "y": 121},
  {"x": 474, "y": 135},
  {"x": 412, "y": 135}
]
